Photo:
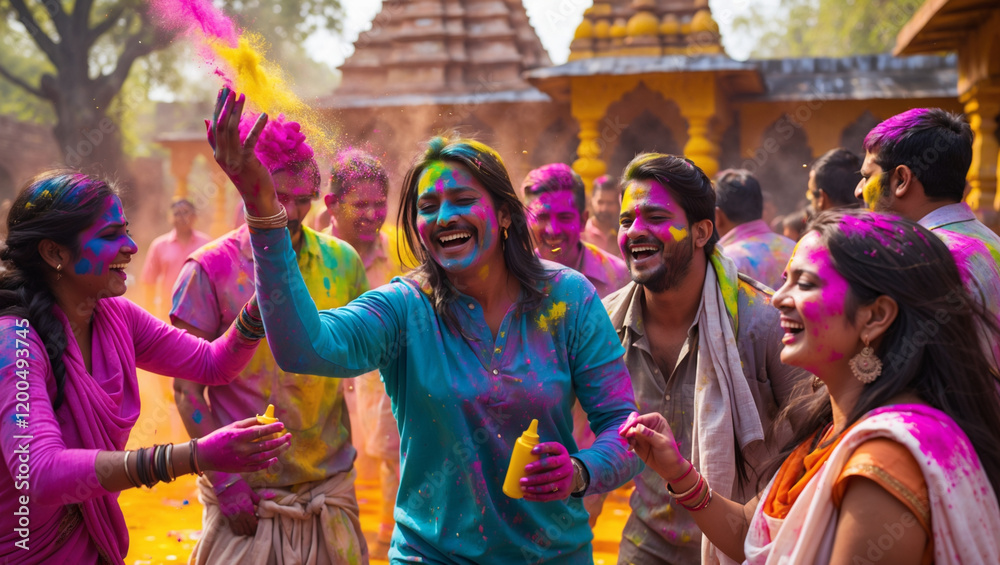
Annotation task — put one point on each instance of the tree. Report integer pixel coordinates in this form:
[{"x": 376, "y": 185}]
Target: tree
[
  {"x": 826, "y": 28},
  {"x": 78, "y": 55}
]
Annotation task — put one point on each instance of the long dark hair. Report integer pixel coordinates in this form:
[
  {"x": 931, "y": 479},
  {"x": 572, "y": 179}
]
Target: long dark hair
[
  {"x": 56, "y": 205},
  {"x": 932, "y": 349},
  {"x": 488, "y": 169}
]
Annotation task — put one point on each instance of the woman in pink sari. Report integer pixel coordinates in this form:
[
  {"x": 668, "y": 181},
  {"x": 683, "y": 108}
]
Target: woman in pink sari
[
  {"x": 897, "y": 459},
  {"x": 69, "y": 348}
]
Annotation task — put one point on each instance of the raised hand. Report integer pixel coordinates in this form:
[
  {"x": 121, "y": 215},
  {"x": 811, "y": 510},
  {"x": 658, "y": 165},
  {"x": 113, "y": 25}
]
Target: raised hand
[
  {"x": 551, "y": 477},
  {"x": 239, "y": 447},
  {"x": 237, "y": 159},
  {"x": 653, "y": 441}
]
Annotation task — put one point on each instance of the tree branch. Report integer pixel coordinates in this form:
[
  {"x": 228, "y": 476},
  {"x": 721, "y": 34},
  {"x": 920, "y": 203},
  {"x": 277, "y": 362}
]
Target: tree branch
[
  {"x": 43, "y": 41},
  {"x": 140, "y": 44},
  {"x": 21, "y": 83},
  {"x": 81, "y": 13},
  {"x": 100, "y": 29}
]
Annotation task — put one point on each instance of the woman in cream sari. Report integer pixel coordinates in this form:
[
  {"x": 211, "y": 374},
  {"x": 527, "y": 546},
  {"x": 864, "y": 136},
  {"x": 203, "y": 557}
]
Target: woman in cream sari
[{"x": 898, "y": 459}]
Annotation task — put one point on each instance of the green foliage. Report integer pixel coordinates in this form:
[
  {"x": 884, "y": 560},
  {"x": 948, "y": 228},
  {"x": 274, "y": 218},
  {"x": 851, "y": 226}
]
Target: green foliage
[
  {"x": 285, "y": 20},
  {"x": 826, "y": 28},
  {"x": 126, "y": 58}
]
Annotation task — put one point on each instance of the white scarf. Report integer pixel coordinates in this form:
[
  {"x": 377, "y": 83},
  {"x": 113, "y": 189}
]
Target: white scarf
[
  {"x": 724, "y": 406},
  {"x": 965, "y": 516}
]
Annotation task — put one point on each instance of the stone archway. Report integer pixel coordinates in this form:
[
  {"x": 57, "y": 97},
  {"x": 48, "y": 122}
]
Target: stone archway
[
  {"x": 644, "y": 134},
  {"x": 781, "y": 163},
  {"x": 853, "y": 136}
]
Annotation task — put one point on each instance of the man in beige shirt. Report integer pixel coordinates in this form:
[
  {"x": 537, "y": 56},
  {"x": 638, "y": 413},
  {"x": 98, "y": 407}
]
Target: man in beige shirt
[{"x": 702, "y": 346}]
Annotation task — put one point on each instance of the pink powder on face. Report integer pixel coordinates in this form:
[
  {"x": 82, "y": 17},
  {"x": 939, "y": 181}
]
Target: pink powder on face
[{"x": 187, "y": 15}]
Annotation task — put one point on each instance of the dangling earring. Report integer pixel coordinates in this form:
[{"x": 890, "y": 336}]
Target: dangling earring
[
  {"x": 59, "y": 271},
  {"x": 503, "y": 241},
  {"x": 866, "y": 366}
]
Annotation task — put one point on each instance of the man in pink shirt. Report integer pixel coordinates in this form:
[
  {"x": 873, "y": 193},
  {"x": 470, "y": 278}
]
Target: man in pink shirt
[
  {"x": 746, "y": 239},
  {"x": 556, "y": 200},
  {"x": 602, "y": 227},
  {"x": 357, "y": 204},
  {"x": 166, "y": 256}
]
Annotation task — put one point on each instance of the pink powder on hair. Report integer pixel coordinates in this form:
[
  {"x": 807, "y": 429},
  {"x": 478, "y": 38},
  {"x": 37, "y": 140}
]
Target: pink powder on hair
[
  {"x": 281, "y": 142},
  {"x": 187, "y": 15}
]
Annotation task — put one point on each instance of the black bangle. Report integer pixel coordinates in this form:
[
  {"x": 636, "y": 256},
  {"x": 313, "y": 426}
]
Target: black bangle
[
  {"x": 161, "y": 464},
  {"x": 140, "y": 468}
]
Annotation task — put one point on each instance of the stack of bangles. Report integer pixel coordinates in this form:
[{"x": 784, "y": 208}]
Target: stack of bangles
[
  {"x": 697, "y": 497},
  {"x": 248, "y": 324},
  {"x": 156, "y": 464},
  {"x": 276, "y": 221}
]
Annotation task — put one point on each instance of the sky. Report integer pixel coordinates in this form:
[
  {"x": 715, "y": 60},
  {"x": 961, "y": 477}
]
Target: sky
[{"x": 554, "y": 22}]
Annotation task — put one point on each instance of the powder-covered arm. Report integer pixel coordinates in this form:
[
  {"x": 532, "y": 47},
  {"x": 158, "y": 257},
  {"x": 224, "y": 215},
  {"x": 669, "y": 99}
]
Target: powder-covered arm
[
  {"x": 26, "y": 381},
  {"x": 603, "y": 386},
  {"x": 163, "y": 349},
  {"x": 342, "y": 342}
]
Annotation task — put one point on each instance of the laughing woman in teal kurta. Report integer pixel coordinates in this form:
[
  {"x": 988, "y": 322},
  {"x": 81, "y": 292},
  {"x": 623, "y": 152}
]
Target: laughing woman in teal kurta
[{"x": 481, "y": 340}]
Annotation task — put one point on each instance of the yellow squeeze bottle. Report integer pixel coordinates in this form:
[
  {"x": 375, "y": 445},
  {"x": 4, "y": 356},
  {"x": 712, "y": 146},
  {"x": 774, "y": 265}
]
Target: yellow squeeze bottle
[
  {"x": 268, "y": 417},
  {"x": 522, "y": 456}
]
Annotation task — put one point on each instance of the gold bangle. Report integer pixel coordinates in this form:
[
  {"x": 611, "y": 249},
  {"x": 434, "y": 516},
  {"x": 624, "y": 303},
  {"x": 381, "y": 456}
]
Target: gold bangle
[
  {"x": 193, "y": 456},
  {"x": 278, "y": 220},
  {"x": 686, "y": 494},
  {"x": 170, "y": 462}
]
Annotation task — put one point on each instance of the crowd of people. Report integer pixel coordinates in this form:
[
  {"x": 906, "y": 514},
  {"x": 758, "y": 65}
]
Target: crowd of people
[{"x": 820, "y": 388}]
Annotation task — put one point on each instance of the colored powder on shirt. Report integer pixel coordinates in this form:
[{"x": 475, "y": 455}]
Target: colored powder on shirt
[{"x": 556, "y": 313}]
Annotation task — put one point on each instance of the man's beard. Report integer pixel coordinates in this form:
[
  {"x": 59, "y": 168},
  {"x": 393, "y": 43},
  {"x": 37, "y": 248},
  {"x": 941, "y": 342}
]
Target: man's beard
[{"x": 669, "y": 275}]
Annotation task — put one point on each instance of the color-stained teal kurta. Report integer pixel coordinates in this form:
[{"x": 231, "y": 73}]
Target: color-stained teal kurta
[{"x": 461, "y": 402}]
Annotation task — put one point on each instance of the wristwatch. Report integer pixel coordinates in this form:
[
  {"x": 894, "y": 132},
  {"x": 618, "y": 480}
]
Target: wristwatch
[{"x": 581, "y": 478}]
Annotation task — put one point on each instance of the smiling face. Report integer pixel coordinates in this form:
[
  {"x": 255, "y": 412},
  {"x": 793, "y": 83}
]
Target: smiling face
[
  {"x": 360, "y": 212},
  {"x": 456, "y": 218},
  {"x": 819, "y": 336},
  {"x": 105, "y": 250},
  {"x": 555, "y": 225},
  {"x": 654, "y": 236}
]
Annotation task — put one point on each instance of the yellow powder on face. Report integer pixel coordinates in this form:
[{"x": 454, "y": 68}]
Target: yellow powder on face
[
  {"x": 678, "y": 234},
  {"x": 633, "y": 194},
  {"x": 484, "y": 272},
  {"x": 872, "y": 191},
  {"x": 556, "y": 313}
]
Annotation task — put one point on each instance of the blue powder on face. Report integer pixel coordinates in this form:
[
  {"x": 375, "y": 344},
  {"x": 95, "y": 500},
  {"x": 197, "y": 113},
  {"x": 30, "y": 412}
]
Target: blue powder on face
[{"x": 197, "y": 416}]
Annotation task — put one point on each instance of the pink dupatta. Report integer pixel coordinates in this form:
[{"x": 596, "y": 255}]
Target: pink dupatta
[{"x": 98, "y": 412}]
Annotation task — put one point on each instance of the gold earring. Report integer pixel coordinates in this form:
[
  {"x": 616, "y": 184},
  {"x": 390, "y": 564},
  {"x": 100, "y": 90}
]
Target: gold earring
[
  {"x": 505, "y": 234},
  {"x": 59, "y": 271},
  {"x": 866, "y": 366}
]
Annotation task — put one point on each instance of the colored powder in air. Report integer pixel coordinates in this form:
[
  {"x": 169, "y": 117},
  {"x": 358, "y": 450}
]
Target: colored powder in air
[{"x": 186, "y": 15}]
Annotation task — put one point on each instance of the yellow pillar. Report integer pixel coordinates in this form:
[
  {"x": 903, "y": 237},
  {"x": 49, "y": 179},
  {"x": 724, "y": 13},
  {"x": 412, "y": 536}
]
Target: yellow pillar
[
  {"x": 180, "y": 166},
  {"x": 589, "y": 101},
  {"x": 589, "y": 164},
  {"x": 700, "y": 147},
  {"x": 982, "y": 105},
  {"x": 697, "y": 98}
]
